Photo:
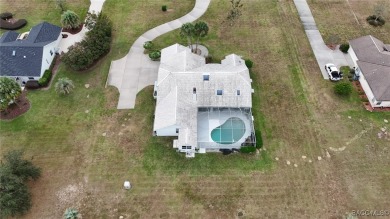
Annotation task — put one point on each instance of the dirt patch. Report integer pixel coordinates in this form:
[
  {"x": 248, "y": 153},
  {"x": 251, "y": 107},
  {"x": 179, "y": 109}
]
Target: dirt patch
[{"x": 21, "y": 106}]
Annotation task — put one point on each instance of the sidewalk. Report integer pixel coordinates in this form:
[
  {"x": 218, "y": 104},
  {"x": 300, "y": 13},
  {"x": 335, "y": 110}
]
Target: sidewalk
[
  {"x": 136, "y": 71},
  {"x": 322, "y": 53}
]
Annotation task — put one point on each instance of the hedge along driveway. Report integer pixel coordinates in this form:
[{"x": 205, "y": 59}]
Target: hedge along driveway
[{"x": 135, "y": 71}]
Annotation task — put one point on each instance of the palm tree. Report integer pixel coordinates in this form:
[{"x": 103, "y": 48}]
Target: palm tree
[
  {"x": 200, "y": 30},
  {"x": 70, "y": 20},
  {"x": 187, "y": 30},
  {"x": 64, "y": 86}
]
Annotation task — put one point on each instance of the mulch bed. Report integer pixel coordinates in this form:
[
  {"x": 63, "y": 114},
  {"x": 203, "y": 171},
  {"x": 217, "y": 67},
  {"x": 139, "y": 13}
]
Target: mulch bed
[
  {"x": 22, "y": 105},
  {"x": 73, "y": 31}
]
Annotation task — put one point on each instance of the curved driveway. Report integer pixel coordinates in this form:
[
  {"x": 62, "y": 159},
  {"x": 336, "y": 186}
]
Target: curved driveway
[{"x": 135, "y": 71}]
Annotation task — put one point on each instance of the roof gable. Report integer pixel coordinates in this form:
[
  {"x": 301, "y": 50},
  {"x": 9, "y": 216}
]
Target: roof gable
[{"x": 24, "y": 57}]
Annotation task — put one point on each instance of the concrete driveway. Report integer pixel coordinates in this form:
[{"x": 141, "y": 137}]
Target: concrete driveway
[
  {"x": 136, "y": 71},
  {"x": 322, "y": 53}
]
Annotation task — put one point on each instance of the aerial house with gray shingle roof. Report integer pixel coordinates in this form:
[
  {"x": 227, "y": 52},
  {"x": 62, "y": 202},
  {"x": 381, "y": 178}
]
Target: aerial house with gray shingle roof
[
  {"x": 372, "y": 62},
  {"x": 26, "y": 56},
  {"x": 207, "y": 106}
]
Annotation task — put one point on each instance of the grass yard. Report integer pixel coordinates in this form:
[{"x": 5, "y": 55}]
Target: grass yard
[{"x": 87, "y": 148}]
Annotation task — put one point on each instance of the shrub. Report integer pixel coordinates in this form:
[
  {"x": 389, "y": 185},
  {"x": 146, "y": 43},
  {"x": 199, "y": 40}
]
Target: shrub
[
  {"x": 209, "y": 59},
  {"x": 164, "y": 8},
  {"x": 12, "y": 26},
  {"x": 375, "y": 20},
  {"x": 343, "y": 88},
  {"x": 259, "y": 138},
  {"x": 248, "y": 63},
  {"x": 148, "y": 45},
  {"x": 32, "y": 84},
  {"x": 96, "y": 44},
  {"x": 70, "y": 20},
  {"x": 344, "y": 47},
  {"x": 155, "y": 55},
  {"x": 247, "y": 149},
  {"x": 45, "y": 79},
  {"x": 6, "y": 15}
]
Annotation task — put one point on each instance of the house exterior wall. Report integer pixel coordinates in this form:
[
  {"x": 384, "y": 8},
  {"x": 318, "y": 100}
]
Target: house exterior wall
[
  {"x": 352, "y": 53},
  {"x": 47, "y": 56},
  {"x": 167, "y": 131}
]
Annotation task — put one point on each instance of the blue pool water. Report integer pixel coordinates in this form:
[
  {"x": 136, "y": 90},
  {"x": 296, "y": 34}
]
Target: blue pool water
[{"x": 229, "y": 132}]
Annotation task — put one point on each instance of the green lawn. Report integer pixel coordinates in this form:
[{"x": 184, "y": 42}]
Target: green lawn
[{"x": 295, "y": 109}]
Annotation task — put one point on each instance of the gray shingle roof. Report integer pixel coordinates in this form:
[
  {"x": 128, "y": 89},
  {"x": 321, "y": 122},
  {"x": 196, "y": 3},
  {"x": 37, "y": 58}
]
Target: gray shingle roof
[
  {"x": 24, "y": 57},
  {"x": 9, "y": 36},
  {"x": 374, "y": 62}
]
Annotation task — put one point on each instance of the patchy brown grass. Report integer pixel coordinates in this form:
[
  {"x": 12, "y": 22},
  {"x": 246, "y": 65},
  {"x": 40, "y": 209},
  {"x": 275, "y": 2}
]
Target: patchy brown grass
[{"x": 299, "y": 113}]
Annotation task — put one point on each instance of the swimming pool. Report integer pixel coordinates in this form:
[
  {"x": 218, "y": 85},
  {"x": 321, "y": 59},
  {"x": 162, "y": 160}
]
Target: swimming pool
[{"x": 229, "y": 132}]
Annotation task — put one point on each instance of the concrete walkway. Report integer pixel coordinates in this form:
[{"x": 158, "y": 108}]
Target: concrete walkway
[
  {"x": 136, "y": 71},
  {"x": 322, "y": 53},
  {"x": 95, "y": 7}
]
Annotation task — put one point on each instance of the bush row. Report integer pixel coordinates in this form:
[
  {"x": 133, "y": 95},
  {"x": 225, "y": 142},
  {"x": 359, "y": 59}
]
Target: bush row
[
  {"x": 95, "y": 45},
  {"x": 45, "y": 79}
]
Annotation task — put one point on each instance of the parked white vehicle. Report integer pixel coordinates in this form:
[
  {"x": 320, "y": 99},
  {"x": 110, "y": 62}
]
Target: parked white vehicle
[{"x": 333, "y": 72}]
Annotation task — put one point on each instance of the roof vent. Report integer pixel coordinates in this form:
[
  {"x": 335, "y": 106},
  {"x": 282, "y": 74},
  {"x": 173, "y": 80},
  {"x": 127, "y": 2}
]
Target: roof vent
[{"x": 13, "y": 53}]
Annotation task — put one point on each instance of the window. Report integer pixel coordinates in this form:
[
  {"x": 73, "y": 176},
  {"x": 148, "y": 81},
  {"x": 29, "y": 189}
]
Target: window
[
  {"x": 51, "y": 53},
  {"x": 183, "y": 147},
  {"x": 31, "y": 78},
  {"x": 194, "y": 90},
  {"x": 379, "y": 103},
  {"x": 177, "y": 131},
  {"x": 17, "y": 78},
  {"x": 238, "y": 92},
  {"x": 206, "y": 77},
  {"x": 219, "y": 92},
  {"x": 189, "y": 147}
]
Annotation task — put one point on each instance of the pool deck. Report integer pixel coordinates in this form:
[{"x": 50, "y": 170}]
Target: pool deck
[{"x": 209, "y": 121}]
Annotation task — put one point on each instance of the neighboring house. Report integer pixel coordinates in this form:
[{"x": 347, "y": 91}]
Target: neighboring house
[
  {"x": 372, "y": 62},
  {"x": 26, "y": 56},
  {"x": 207, "y": 106}
]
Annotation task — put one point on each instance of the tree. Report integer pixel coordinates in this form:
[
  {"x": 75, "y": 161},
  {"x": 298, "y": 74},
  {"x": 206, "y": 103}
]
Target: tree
[
  {"x": 187, "y": 30},
  {"x": 71, "y": 213},
  {"x": 9, "y": 92},
  {"x": 61, "y": 4},
  {"x": 15, "y": 197},
  {"x": 23, "y": 169},
  {"x": 201, "y": 29},
  {"x": 70, "y": 20},
  {"x": 235, "y": 11},
  {"x": 64, "y": 86}
]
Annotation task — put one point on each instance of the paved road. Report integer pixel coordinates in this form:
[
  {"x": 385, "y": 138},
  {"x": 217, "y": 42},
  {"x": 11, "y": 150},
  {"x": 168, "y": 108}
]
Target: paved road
[
  {"x": 135, "y": 71},
  {"x": 322, "y": 53}
]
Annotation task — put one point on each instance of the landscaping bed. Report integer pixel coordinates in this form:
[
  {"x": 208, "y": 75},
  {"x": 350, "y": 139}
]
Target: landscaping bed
[{"x": 21, "y": 106}]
